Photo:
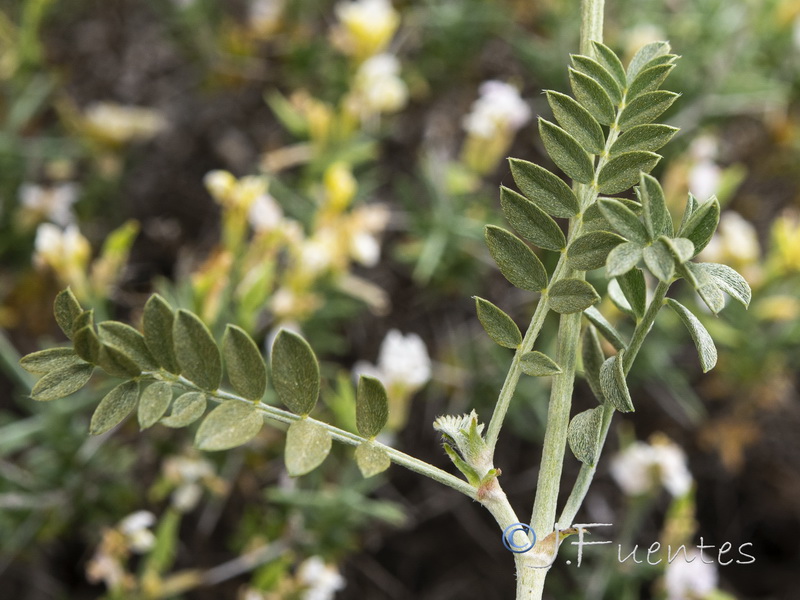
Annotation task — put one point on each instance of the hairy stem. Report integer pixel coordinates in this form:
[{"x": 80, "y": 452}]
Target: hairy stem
[
  {"x": 512, "y": 378},
  {"x": 591, "y": 25},
  {"x": 544, "y": 509},
  {"x": 586, "y": 474}
]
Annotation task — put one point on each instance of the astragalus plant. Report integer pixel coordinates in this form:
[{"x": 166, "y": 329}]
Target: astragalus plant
[{"x": 603, "y": 137}]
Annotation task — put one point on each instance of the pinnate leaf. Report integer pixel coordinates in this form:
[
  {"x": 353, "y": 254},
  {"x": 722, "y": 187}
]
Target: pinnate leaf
[
  {"x": 591, "y": 250},
  {"x": 598, "y": 72},
  {"x": 52, "y": 359},
  {"x": 622, "y": 171},
  {"x": 577, "y": 121},
  {"x": 114, "y": 407},
  {"x": 623, "y": 220},
  {"x": 623, "y": 258},
  {"x": 646, "y": 108},
  {"x": 607, "y": 330},
  {"x": 307, "y": 445},
  {"x": 649, "y": 138},
  {"x": 612, "y": 382},
  {"x": 128, "y": 341},
  {"x": 372, "y": 406},
  {"x": 186, "y": 410},
  {"x": 659, "y": 260},
  {"x": 537, "y": 364},
  {"x": 544, "y": 189},
  {"x": 230, "y": 424},
  {"x": 295, "y": 372},
  {"x": 611, "y": 63},
  {"x": 566, "y": 152},
  {"x": 702, "y": 340},
  {"x": 571, "y": 295},
  {"x": 66, "y": 309},
  {"x": 634, "y": 288},
  {"x": 500, "y": 327},
  {"x": 247, "y": 371},
  {"x": 62, "y": 382},
  {"x": 516, "y": 260},
  {"x": 157, "y": 324},
  {"x": 153, "y": 403},
  {"x": 530, "y": 221},
  {"x": 583, "y": 435},
  {"x": 592, "y": 97},
  {"x": 371, "y": 459}
]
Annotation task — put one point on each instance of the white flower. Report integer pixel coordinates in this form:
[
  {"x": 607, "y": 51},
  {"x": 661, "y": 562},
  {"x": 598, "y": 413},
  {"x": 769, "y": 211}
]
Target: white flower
[
  {"x": 136, "y": 528},
  {"x": 186, "y": 497},
  {"x": 693, "y": 580},
  {"x": 641, "y": 466},
  {"x": 323, "y": 580},
  {"x": 318, "y": 252},
  {"x": 704, "y": 178},
  {"x": 378, "y": 87},
  {"x": 52, "y": 203},
  {"x": 402, "y": 360},
  {"x": 365, "y": 248},
  {"x": 498, "y": 109},
  {"x": 120, "y": 124},
  {"x": 186, "y": 472},
  {"x": 58, "y": 249},
  {"x": 265, "y": 214},
  {"x": 704, "y": 147},
  {"x": 705, "y": 174},
  {"x": 734, "y": 240}
]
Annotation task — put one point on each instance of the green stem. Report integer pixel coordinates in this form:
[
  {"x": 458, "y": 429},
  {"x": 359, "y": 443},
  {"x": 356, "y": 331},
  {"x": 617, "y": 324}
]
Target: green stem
[
  {"x": 340, "y": 435},
  {"x": 512, "y": 378},
  {"x": 531, "y": 584},
  {"x": 555, "y": 437},
  {"x": 586, "y": 474},
  {"x": 591, "y": 25}
]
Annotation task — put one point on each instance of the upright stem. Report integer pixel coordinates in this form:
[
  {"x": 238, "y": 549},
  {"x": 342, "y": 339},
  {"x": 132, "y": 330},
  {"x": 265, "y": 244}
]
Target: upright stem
[
  {"x": 512, "y": 378},
  {"x": 591, "y": 24},
  {"x": 586, "y": 474},
  {"x": 555, "y": 437},
  {"x": 545, "y": 504}
]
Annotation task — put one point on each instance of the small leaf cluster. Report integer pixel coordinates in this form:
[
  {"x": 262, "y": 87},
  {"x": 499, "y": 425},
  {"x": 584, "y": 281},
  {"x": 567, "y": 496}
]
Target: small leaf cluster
[
  {"x": 174, "y": 367},
  {"x": 605, "y": 140}
]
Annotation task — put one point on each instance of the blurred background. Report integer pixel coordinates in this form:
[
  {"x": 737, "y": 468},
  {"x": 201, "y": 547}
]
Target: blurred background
[{"x": 329, "y": 167}]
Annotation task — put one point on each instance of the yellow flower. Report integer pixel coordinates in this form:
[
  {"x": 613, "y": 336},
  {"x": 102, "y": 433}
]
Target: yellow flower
[
  {"x": 340, "y": 186},
  {"x": 234, "y": 193},
  {"x": 365, "y": 27},
  {"x": 786, "y": 242}
]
